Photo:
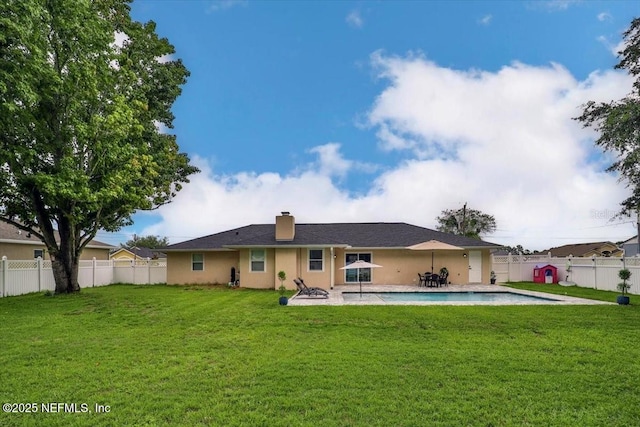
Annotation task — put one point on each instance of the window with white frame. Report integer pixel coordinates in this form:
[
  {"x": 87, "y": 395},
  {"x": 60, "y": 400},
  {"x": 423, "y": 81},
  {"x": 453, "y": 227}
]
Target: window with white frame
[
  {"x": 197, "y": 262},
  {"x": 316, "y": 260},
  {"x": 258, "y": 260},
  {"x": 38, "y": 253}
]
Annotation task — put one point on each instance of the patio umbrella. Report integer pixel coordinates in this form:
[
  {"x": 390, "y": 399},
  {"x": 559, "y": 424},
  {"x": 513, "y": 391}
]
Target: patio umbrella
[
  {"x": 433, "y": 246},
  {"x": 360, "y": 264}
]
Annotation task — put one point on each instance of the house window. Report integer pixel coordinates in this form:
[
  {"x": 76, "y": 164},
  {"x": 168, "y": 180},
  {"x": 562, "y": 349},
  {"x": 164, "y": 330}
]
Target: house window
[
  {"x": 197, "y": 262},
  {"x": 316, "y": 260},
  {"x": 357, "y": 275},
  {"x": 258, "y": 260},
  {"x": 38, "y": 253}
]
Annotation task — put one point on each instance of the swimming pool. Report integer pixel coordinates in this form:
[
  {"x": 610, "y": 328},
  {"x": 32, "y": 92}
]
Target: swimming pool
[{"x": 490, "y": 297}]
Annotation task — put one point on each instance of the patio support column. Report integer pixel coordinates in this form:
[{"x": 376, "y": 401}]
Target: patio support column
[{"x": 332, "y": 268}]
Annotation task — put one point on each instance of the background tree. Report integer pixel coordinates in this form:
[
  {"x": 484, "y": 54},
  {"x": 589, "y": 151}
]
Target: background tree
[
  {"x": 151, "y": 242},
  {"x": 466, "y": 222},
  {"x": 518, "y": 249},
  {"x": 618, "y": 123},
  {"x": 80, "y": 148}
]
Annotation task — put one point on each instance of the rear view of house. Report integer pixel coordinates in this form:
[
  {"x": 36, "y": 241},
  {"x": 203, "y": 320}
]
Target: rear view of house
[{"x": 316, "y": 252}]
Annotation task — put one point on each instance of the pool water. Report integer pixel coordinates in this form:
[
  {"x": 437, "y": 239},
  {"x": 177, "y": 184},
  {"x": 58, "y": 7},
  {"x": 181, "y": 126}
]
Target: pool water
[{"x": 441, "y": 297}]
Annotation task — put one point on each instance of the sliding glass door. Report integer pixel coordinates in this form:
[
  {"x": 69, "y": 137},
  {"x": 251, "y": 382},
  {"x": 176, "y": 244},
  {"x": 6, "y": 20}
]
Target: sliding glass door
[{"x": 357, "y": 275}]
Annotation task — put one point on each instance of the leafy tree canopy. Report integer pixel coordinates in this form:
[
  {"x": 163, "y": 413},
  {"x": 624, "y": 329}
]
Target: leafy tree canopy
[
  {"x": 83, "y": 92},
  {"x": 518, "y": 249},
  {"x": 618, "y": 122},
  {"x": 151, "y": 242},
  {"x": 466, "y": 222}
]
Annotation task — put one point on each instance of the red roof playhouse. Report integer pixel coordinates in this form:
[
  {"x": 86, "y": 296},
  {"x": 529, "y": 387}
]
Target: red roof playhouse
[{"x": 545, "y": 274}]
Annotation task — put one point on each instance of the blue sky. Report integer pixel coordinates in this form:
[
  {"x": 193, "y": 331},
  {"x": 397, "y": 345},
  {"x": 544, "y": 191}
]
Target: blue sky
[{"x": 393, "y": 111}]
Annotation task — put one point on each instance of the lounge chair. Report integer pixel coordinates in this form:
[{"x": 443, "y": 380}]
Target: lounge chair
[{"x": 307, "y": 291}]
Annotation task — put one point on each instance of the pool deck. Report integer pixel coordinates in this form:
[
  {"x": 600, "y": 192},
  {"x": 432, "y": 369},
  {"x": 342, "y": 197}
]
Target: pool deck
[{"x": 335, "y": 296}]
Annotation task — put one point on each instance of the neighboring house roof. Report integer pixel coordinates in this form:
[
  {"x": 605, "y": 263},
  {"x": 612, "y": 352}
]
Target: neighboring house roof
[
  {"x": 143, "y": 253},
  {"x": 357, "y": 235},
  {"x": 586, "y": 249},
  {"x": 631, "y": 240},
  {"x": 506, "y": 252},
  {"x": 12, "y": 234}
]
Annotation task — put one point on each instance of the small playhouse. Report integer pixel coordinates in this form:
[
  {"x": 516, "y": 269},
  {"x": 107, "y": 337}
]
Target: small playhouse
[{"x": 545, "y": 274}]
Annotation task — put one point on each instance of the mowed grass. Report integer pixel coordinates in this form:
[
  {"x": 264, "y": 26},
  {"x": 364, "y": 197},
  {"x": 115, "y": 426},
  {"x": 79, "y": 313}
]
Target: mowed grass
[
  {"x": 207, "y": 356},
  {"x": 574, "y": 291}
]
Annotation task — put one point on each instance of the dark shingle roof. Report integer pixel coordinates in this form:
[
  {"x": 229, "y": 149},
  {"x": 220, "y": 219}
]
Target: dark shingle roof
[
  {"x": 146, "y": 252},
  {"x": 357, "y": 235}
]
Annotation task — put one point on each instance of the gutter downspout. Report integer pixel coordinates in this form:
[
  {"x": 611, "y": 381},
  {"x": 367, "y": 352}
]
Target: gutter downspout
[{"x": 333, "y": 266}]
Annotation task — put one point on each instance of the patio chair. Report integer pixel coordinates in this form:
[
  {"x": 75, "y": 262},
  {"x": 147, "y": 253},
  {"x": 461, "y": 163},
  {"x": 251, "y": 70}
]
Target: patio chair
[
  {"x": 422, "y": 280},
  {"x": 307, "y": 291},
  {"x": 443, "y": 279}
]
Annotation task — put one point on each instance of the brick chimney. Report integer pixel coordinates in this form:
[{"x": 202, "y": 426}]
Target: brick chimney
[{"x": 285, "y": 227}]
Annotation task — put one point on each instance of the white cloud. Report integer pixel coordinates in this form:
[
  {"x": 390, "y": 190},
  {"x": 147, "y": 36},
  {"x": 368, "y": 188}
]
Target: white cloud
[
  {"x": 220, "y": 5},
  {"x": 354, "y": 19},
  {"x": 503, "y": 141},
  {"x": 604, "y": 16},
  {"x": 512, "y": 148},
  {"x": 553, "y": 5},
  {"x": 330, "y": 161},
  {"x": 614, "y": 48},
  {"x": 333, "y": 164},
  {"x": 485, "y": 20}
]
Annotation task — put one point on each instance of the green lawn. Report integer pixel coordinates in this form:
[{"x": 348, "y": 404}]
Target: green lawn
[
  {"x": 574, "y": 291},
  {"x": 166, "y": 355}
]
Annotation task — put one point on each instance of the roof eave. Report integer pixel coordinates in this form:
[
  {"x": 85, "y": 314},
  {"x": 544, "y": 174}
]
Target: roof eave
[
  {"x": 165, "y": 250},
  {"x": 22, "y": 242}
]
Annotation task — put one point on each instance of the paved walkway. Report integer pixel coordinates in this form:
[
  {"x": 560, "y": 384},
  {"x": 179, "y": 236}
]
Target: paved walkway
[{"x": 336, "y": 296}]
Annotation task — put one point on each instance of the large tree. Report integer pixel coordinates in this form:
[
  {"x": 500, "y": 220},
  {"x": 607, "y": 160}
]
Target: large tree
[
  {"x": 84, "y": 91},
  {"x": 466, "y": 222},
  {"x": 151, "y": 242},
  {"x": 618, "y": 122}
]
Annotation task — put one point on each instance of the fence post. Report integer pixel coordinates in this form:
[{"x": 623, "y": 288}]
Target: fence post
[
  {"x": 39, "y": 259},
  {"x": 93, "y": 272},
  {"x": 520, "y": 262},
  {"x": 509, "y": 267},
  {"x": 4, "y": 275},
  {"x": 595, "y": 273},
  {"x": 148, "y": 271}
]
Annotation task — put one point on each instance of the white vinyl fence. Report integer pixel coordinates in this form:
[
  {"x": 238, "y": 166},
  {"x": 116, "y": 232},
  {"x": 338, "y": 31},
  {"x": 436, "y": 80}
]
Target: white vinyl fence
[
  {"x": 19, "y": 277},
  {"x": 596, "y": 273}
]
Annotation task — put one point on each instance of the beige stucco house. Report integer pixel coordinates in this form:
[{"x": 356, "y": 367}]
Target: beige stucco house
[
  {"x": 316, "y": 252},
  {"x": 17, "y": 244},
  {"x": 139, "y": 254}
]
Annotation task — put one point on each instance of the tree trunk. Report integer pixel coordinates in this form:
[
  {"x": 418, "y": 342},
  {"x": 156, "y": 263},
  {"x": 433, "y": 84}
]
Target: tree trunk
[
  {"x": 65, "y": 274},
  {"x": 65, "y": 260}
]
